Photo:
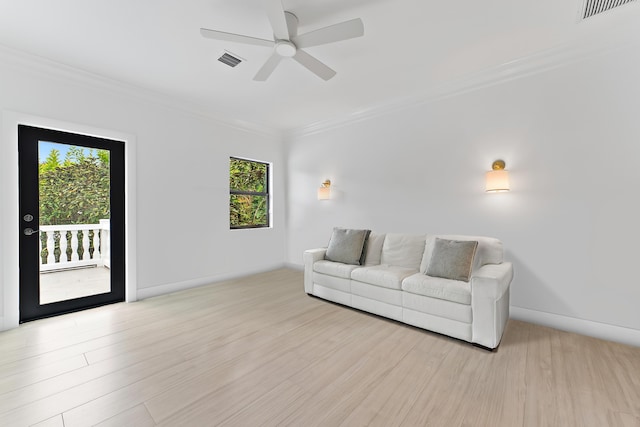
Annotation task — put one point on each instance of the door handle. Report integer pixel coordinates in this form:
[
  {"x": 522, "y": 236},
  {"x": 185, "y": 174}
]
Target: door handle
[{"x": 30, "y": 231}]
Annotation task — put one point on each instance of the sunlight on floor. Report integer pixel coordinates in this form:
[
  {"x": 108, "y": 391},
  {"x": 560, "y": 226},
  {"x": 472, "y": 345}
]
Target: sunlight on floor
[{"x": 69, "y": 284}]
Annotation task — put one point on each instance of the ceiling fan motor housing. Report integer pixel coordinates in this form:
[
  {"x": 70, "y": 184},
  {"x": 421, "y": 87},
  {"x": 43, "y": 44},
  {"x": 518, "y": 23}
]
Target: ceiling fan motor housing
[{"x": 285, "y": 48}]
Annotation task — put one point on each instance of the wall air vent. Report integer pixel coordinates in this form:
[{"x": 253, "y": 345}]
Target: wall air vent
[
  {"x": 594, "y": 7},
  {"x": 229, "y": 59}
]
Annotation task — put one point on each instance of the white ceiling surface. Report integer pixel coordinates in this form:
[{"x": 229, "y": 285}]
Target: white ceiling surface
[{"x": 409, "y": 48}]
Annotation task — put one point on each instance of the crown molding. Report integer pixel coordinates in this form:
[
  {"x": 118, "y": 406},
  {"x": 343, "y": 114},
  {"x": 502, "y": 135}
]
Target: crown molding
[
  {"x": 536, "y": 63},
  {"x": 583, "y": 48},
  {"x": 27, "y": 62}
]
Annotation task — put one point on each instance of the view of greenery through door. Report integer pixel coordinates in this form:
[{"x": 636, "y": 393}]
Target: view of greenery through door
[
  {"x": 74, "y": 213},
  {"x": 74, "y": 190}
]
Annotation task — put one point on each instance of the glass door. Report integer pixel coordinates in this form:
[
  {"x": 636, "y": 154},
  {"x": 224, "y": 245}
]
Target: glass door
[{"x": 71, "y": 222}]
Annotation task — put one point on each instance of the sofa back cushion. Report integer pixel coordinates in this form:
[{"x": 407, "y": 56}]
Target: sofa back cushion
[
  {"x": 403, "y": 250},
  {"x": 373, "y": 249},
  {"x": 489, "y": 250}
]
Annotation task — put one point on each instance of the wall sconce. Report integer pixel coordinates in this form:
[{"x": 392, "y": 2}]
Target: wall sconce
[
  {"x": 498, "y": 178},
  {"x": 324, "y": 192}
]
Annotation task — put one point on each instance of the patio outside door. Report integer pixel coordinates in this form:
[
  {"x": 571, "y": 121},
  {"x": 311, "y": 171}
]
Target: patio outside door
[{"x": 71, "y": 222}]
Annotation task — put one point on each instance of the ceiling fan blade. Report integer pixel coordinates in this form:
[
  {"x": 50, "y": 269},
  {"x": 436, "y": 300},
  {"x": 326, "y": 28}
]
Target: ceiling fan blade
[
  {"x": 275, "y": 13},
  {"x": 237, "y": 38},
  {"x": 268, "y": 67},
  {"x": 333, "y": 33},
  {"x": 313, "y": 65}
]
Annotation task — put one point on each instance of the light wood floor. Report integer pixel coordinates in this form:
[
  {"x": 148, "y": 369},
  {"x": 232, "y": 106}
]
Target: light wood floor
[{"x": 258, "y": 351}]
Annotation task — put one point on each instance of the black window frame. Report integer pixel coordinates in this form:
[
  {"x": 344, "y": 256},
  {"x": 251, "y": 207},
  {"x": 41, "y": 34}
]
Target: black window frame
[{"x": 266, "y": 194}]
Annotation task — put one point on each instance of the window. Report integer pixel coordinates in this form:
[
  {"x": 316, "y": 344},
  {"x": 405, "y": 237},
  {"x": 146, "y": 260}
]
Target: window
[{"x": 248, "y": 193}]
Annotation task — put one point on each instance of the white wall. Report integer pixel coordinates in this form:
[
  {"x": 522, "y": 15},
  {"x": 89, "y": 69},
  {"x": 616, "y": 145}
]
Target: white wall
[
  {"x": 570, "y": 137},
  {"x": 183, "y": 236},
  {"x": 571, "y": 140}
]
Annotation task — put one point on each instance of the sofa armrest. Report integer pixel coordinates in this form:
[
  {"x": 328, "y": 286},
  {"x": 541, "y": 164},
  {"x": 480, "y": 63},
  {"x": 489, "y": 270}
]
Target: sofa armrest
[
  {"x": 309, "y": 257},
  {"x": 490, "y": 303},
  {"x": 492, "y": 280}
]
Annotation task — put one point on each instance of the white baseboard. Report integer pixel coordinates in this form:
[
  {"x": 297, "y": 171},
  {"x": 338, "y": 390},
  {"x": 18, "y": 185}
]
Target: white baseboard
[
  {"x": 168, "y": 288},
  {"x": 584, "y": 327}
]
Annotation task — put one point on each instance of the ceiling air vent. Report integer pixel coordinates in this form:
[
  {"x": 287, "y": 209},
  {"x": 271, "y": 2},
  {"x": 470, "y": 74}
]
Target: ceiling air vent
[
  {"x": 594, "y": 7},
  {"x": 229, "y": 59}
]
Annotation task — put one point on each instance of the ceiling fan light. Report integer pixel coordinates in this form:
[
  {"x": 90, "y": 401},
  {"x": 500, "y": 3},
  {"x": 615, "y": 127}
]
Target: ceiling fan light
[{"x": 285, "y": 48}]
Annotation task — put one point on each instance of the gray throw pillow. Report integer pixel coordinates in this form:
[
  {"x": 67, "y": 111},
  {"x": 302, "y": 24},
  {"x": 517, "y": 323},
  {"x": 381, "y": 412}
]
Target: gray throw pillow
[
  {"x": 347, "y": 246},
  {"x": 452, "y": 259}
]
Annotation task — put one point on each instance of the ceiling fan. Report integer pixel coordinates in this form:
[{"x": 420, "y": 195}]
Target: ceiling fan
[{"x": 288, "y": 44}]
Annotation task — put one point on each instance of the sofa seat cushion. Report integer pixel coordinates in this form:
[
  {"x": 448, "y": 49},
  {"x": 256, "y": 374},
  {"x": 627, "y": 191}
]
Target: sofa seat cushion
[
  {"x": 436, "y": 287},
  {"x": 387, "y": 276},
  {"x": 332, "y": 268}
]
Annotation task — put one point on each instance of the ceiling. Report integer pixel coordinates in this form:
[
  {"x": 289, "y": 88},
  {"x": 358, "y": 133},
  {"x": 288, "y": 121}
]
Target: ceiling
[{"x": 409, "y": 48}]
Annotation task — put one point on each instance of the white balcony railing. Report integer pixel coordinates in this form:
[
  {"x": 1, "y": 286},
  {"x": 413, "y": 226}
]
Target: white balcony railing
[{"x": 74, "y": 245}]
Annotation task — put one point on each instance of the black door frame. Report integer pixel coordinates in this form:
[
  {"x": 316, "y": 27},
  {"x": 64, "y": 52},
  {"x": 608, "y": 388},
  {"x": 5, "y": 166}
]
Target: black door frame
[{"x": 28, "y": 138}]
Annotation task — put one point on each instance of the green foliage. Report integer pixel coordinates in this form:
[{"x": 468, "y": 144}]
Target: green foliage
[
  {"x": 75, "y": 191},
  {"x": 103, "y": 156},
  {"x": 245, "y": 175},
  {"x": 75, "y": 155},
  {"x": 248, "y": 211},
  {"x": 52, "y": 161},
  {"x": 248, "y": 201}
]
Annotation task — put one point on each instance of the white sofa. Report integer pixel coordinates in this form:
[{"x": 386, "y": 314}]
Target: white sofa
[{"x": 392, "y": 283}]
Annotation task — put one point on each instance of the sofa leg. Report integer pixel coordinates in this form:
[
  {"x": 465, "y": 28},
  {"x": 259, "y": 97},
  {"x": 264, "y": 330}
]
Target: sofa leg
[{"x": 483, "y": 347}]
